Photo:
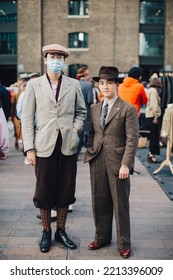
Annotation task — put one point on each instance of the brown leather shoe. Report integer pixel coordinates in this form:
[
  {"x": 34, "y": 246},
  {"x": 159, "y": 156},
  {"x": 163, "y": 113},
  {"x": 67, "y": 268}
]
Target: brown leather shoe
[
  {"x": 125, "y": 253},
  {"x": 95, "y": 246}
]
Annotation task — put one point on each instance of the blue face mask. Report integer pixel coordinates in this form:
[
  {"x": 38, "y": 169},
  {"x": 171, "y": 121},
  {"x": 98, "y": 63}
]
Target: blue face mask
[{"x": 55, "y": 65}]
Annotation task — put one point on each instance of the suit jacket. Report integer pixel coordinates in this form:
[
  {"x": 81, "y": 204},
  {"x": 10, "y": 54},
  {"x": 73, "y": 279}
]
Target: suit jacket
[
  {"x": 119, "y": 138},
  {"x": 87, "y": 90},
  {"x": 41, "y": 110}
]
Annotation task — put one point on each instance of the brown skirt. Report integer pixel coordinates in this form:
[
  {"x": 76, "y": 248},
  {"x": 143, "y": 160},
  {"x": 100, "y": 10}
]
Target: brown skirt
[{"x": 55, "y": 179}]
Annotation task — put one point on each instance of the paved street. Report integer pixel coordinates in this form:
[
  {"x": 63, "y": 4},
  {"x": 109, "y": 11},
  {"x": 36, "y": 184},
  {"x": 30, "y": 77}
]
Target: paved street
[{"x": 20, "y": 230}]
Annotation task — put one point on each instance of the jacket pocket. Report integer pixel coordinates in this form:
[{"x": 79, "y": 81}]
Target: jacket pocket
[{"x": 120, "y": 150}]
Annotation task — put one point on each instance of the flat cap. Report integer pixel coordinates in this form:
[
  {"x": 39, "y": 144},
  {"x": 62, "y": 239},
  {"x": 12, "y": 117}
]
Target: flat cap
[
  {"x": 82, "y": 71},
  {"x": 55, "y": 48},
  {"x": 34, "y": 75}
]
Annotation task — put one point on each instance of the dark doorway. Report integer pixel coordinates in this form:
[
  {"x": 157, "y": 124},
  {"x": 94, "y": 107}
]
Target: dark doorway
[
  {"x": 149, "y": 70},
  {"x": 8, "y": 74}
]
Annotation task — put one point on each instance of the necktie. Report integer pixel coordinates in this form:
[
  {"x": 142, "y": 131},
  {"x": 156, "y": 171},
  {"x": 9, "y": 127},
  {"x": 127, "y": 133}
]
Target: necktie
[
  {"x": 58, "y": 86},
  {"x": 104, "y": 115},
  {"x": 58, "y": 89}
]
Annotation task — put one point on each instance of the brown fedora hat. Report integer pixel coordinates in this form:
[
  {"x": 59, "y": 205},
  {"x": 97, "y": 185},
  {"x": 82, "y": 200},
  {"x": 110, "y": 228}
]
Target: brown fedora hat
[{"x": 108, "y": 73}]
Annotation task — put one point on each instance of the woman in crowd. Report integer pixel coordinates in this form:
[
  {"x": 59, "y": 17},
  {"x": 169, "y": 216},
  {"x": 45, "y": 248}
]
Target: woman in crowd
[
  {"x": 4, "y": 137},
  {"x": 153, "y": 113}
]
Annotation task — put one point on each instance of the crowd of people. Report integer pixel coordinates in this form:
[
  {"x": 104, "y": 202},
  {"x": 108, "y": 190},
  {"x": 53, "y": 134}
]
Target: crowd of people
[{"x": 55, "y": 116}]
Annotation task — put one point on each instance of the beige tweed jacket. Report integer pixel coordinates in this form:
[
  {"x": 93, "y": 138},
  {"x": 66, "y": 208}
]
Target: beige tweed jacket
[{"x": 43, "y": 118}]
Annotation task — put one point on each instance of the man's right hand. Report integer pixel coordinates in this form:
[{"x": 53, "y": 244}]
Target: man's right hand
[{"x": 31, "y": 157}]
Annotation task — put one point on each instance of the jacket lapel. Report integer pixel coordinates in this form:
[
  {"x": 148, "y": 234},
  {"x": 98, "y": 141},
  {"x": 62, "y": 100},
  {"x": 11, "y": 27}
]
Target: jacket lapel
[
  {"x": 46, "y": 88},
  {"x": 65, "y": 86},
  {"x": 118, "y": 104},
  {"x": 97, "y": 114},
  {"x": 99, "y": 109}
]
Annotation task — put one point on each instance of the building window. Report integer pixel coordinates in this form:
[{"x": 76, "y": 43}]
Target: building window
[
  {"x": 152, "y": 12},
  {"x": 78, "y": 40},
  {"x": 151, "y": 35},
  {"x": 73, "y": 68},
  {"x": 151, "y": 44},
  {"x": 78, "y": 7},
  {"x": 8, "y": 43},
  {"x": 8, "y": 18},
  {"x": 8, "y": 11}
]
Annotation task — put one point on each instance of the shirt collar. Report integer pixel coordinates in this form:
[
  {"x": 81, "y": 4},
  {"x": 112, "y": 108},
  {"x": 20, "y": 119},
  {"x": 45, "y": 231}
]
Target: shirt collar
[{"x": 110, "y": 102}]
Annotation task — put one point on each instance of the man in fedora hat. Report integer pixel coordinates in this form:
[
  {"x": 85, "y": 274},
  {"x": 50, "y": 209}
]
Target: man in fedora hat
[
  {"x": 113, "y": 141},
  {"x": 54, "y": 104}
]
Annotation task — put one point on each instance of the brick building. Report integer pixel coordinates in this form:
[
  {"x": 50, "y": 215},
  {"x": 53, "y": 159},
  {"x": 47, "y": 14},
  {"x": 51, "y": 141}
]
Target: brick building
[{"x": 97, "y": 32}]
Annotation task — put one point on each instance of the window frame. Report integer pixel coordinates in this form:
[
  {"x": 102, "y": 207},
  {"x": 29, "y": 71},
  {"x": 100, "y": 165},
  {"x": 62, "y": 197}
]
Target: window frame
[
  {"x": 85, "y": 3},
  {"x": 78, "y": 48},
  {"x": 75, "y": 67},
  {"x": 152, "y": 28}
]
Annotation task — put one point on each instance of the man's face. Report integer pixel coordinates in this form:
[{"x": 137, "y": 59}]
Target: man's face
[
  {"x": 87, "y": 76},
  {"x": 108, "y": 88},
  {"x": 22, "y": 87},
  {"x": 52, "y": 56}
]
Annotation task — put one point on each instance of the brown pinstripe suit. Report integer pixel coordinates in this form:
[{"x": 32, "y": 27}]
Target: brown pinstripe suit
[{"x": 111, "y": 147}]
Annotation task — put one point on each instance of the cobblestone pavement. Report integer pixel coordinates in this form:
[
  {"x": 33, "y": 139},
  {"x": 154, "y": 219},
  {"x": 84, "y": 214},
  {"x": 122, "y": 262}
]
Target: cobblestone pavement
[{"x": 20, "y": 230}]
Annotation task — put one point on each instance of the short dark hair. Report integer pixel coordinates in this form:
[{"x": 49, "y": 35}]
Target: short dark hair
[
  {"x": 113, "y": 80},
  {"x": 45, "y": 55},
  {"x": 135, "y": 72}
]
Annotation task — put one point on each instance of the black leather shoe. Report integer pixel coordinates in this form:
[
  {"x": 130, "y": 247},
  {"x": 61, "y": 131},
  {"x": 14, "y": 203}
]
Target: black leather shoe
[
  {"x": 62, "y": 237},
  {"x": 70, "y": 208},
  {"x": 45, "y": 241},
  {"x": 53, "y": 219}
]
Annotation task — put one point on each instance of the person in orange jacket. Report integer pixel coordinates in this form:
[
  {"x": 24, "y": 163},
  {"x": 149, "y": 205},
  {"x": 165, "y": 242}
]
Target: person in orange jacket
[{"x": 132, "y": 90}]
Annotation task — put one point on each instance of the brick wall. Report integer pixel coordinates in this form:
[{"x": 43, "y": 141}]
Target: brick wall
[
  {"x": 113, "y": 28},
  {"x": 126, "y": 34},
  {"x": 29, "y": 35}
]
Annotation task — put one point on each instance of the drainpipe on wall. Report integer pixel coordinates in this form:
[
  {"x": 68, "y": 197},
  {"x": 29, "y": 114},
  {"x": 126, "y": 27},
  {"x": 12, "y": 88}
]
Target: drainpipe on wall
[
  {"x": 114, "y": 33},
  {"x": 41, "y": 32}
]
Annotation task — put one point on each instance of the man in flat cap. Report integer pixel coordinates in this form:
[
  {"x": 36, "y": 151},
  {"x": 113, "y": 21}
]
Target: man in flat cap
[
  {"x": 113, "y": 140},
  {"x": 54, "y": 104}
]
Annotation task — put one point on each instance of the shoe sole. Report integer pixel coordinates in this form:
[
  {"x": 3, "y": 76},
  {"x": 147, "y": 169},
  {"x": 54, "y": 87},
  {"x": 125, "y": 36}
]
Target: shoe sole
[{"x": 101, "y": 246}]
